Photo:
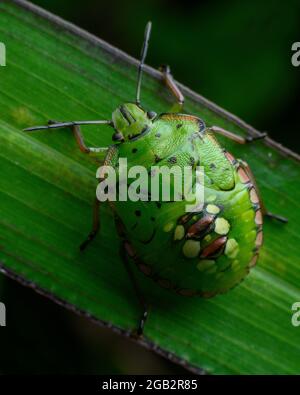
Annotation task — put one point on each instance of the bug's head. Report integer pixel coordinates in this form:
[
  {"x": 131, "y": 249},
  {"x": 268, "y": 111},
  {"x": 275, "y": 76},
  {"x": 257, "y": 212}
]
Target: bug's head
[{"x": 131, "y": 121}]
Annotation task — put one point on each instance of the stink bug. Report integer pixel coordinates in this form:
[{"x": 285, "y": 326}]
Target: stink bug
[{"x": 203, "y": 253}]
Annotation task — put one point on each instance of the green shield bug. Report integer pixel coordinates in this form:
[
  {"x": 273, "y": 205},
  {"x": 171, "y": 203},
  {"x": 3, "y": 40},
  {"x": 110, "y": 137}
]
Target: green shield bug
[{"x": 204, "y": 252}]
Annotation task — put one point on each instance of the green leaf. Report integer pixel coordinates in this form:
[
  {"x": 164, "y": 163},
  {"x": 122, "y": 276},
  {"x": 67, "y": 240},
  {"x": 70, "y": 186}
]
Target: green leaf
[{"x": 47, "y": 186}]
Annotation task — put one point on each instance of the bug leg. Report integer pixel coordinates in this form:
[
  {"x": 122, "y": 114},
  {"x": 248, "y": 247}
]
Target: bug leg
[
  {"x": 276, "y": 217},
  {"x": 264, "y": 211},
  {"x": 75, "y": 127},
  {"x": 235, "y": 137},
  {"x": 125, "y": 253},
  {"x": 95, "y": 227},
  {"x": 170, "y": 83},
  {"x": 108, "y": 161}
]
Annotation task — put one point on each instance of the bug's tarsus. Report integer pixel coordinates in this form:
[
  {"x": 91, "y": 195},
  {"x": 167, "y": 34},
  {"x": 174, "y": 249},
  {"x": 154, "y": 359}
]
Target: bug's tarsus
[
  {"x": 140, "y": 328},
  {"x": 276, "y": 217},
  {"x": 142, "y": 61},
  {"x": 95, "y": 228},
  {"x": 86, "y": 242},
  {"x": 250, "y": 139}
]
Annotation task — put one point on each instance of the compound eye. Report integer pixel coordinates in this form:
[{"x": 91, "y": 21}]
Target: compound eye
[
  {"x": 117, "y": 136},
  {"x": 151, "y": 114}
]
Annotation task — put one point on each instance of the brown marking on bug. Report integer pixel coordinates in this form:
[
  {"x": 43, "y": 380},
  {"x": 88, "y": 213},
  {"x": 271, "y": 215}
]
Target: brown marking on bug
[
  {"x": 243, "y": 175},
  {"x": 119, "y": 227},
  {"x": 259, "y": 240},
  {"x": 163, "y": 282},
  {"x": 129, "y": 249},
  {"x": 146, "y": 269},
  {"x": 202, "y": 225},
  {"x": 258, "y": 217},
  {"x": 215, "y": 248},
  {"x": 208, "y": 294},
  {"x": 185, "y": 218},
  {"x": 254, "y": 196},
  {"x": 230, "y": 157},
  {"x": 253, "y": 261},
  {"x": 186, "y": 292},
  {"x": 180, "y": 117}
]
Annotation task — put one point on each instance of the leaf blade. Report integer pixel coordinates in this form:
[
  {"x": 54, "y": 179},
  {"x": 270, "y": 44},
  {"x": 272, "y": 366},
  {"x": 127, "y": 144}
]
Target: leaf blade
[{"x": 45, "y": 212}]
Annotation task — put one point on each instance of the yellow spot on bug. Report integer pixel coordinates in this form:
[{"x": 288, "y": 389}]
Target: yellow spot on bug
[
  {"x": 205, "y": 264},
  {"x": 211, "y": 198},
  {"x": 179, "y": 232},
  {"x": 232, "y": 248},
  {"x": 168, "y": 227},
  {"x": 207, "y": 238},
  {"x": 222, "y": 226},
  {"x": 191, "y": 248},
  {"x": 212, "y": 209}
]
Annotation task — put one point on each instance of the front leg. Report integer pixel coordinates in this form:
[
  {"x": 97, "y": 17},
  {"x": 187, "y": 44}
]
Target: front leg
[
  {"x": 111, "y": 154},
  {"x": 95, "y": 226},
  {"x": 75, "y": 127}
]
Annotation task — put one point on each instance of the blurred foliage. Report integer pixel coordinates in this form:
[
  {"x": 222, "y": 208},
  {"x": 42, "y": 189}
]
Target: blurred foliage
[{"x": 235, "y": 53}]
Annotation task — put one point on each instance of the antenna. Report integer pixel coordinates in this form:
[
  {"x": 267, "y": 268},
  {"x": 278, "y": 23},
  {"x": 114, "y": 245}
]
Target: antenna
[{"x": 143, "y": 57}]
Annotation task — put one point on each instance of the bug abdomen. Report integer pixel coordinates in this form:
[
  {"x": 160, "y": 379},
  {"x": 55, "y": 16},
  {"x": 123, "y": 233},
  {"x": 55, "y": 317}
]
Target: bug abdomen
[{"x": 208, "y": 252}]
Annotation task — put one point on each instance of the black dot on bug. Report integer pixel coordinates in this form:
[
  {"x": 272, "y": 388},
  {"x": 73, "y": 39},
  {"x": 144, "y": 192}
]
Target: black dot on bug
[
  {"x": 158, "y": 204},
  {"x": 192, "y": 161},
  {"x": 134, "y": 150},
  {"x": 179, "y": 125},
  {"x": 137, "y": 213},
  {"x": 158, "y": 135},
  {"x": 212, "y": 166},
  {"x": 152, "y": 219}
]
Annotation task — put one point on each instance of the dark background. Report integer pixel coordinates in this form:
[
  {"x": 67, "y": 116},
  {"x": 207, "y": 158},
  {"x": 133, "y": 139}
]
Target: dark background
[{"x": 237, "y": 54}]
